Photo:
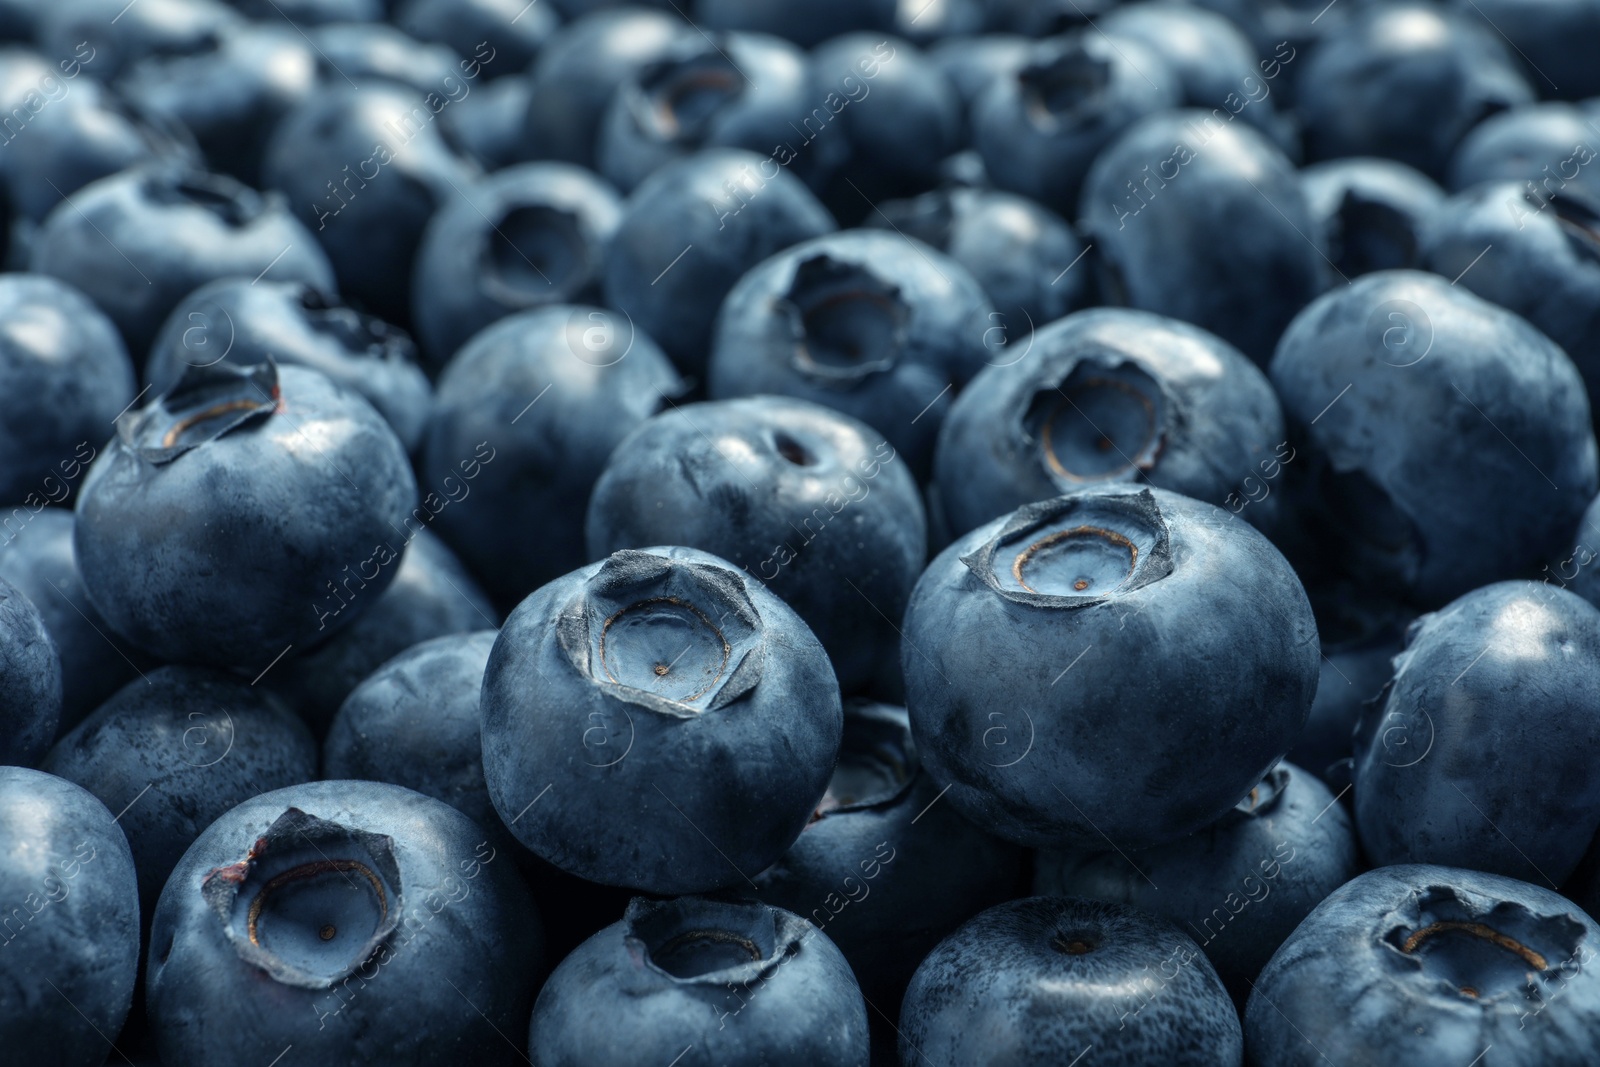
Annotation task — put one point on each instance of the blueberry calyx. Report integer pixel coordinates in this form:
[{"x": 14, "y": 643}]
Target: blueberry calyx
[
  {"x": 360, "y": 334},
  {"x": 1098, "y": 418},
  {"x": 847, "y": 322},
  {"x": 677, "y": 97},
  {"x": 234, "y": 203},
  {"x": 312, "y": 900},
  {"x": 1263, "y": 798},
  {"x": 697, "y": 940},
  {"x": 1075, "y": 551},
  {"x": 1578, "y": 214},
  {"x": 207, "y": 402},
  {"x": 537, "y": 254},
  {"x": 877, "y": 765},
  {"x": 1064, "y": 87},
  {"x": 676, "y": 636}
]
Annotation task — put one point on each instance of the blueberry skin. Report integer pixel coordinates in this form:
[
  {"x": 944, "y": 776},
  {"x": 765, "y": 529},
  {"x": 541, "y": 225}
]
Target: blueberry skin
[
  {"x": 1240, "y": 886},
  {"x": 1039, "y": 130},
  {"x": 521, "y": 238},
  {"x": 734, "y": 90},
  {"x": 65, "y": 854},
  {"x": 414, "y": 722},
  {"x": 1369, "y": 212},
  {"x": 1344, "y": 989},
  {"x": 455, "y": 919},
  {"x": 805, "y": 24},
  {"x": 536, "y": 456},
  {"x": 1033, "y": 982},
  {"x": 736, "y": 208},
  {"x": 488, "y": 124},
  {"x": 1109, "y": 621},
  {"x": 368, "y": 51},
  {"x": 181, "y": 533},
  {"x": 231, "y": 93},
  {"x": 709, "y": 981},
  {"x": 245, "y": 322},
  {"x": 736, "y": 748},
  {"x": 30, "y": 680},
  {"x": 1544, "y": 264},
  {"x": 176, "y": 229},
  {"x": 64, "y": 376},
  {"x": 1577, "y": 570},
  {"x": 579, "y": 70},
  {"x": 1016, "y": 249},
  {"x": 1549, "y": 36},
  {"x": 1405, "y": 81},
  {"x": 1446, "y": 743},
  {"x": 1452, "y": 403},
  {"x": 36, "y": 556},
  {"x": 1215, "y": 230},
  {"x": 201, "y": 740},
  {"x": 1181, "y": 409},
  {"x": 513, "y": 32},
  {"x": 881, "y": 868},
  {"x": 119, "y": 39},
  {"x": 1547, "y": 144},
  {"x": 432, "y": 595},
  {"x": 878, "y": 326},
  {"x": 972, "y": 64},
  {"x": 312, "y": 12},
  {"x": 759, "y": 482},
  {"x": 365, "y": 169}
]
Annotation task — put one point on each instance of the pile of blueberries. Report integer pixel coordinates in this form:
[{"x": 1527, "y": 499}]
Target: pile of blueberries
[{"x": 800, "y": 533}]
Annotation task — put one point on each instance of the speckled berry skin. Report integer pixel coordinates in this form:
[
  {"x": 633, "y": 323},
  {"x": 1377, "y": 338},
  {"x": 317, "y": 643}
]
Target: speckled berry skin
[{"x": 30, "y": 680}]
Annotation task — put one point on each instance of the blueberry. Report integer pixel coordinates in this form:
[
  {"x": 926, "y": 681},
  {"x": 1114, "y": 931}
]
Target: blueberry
[
  {"x": 30, "y": 680},
  {"x": 487, "y": 125},
  {"x": 120, "y": 38},
  {"x": 885, "y": 871},
  {"x": 1431, "y": 965},
  {"x": 217, "y": 523},
  {"x": 138, "y": 242},
  {"x": 580, "y": 68},
  {"x": 1353, "y": 673},
  {"x": 1020, "y": 252},
  {"x": 1240, "y": 886},
  {"x": 1495, "y": 682},
  {"x": 972, "y": 64},
  {"x": 735, "y": 90},
  {"x": 1406, "y": 81},
  {"x": 1448, "y": 441},
  {"x": 707, "y": 981},
  {"x": 682, "y": 719},
  {"x": 340, "y": 918},
  {"x": 64, "y": 377},
  {"x": 691, "y": 230},
  {"x": 805, "y": 24},
  {"x": 356, "y": 53},
  {"x": 71, "y": 934},
  {"x": 1545, "y": 145},
  {"x": 1109, "y": 395},
  {"x": 211, "y": 741},
  {"x": 432, "y": 595},
  {"x": 36, "y": 557},
  {"x": 537, "y": 455},
  {"x": 311, "y": 12},
  {"x": 1369, "y": 212},
  {"x": 1041, "y": 980},
  {"x": 1576, "y": 570},
  {"x": 867, "y": 322},
  {"x": 1044, "y": 654},
  {"x": 812, "y": 502},
  {"x": 365, "y": 168},
  {"x": 1202, "y": 218},
  {"x": 1549, "y": 37},
  {"x": 522, "y": 238},
  {"x": 513, "y": 32},
  {"x": 1040, "y": 129},
  {"x": 299, "y": 325},
  {"x": 1533, "y": 252}
]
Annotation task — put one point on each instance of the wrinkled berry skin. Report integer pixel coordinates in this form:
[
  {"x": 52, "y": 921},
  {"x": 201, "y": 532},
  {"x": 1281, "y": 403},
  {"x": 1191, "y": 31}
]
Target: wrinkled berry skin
[
  {"x": 1034, "y": 982},
  {"x": 512, "y": 465},
  {"x": 735, "y": 208},
  {"x": 885, "y": 871},
  {"x": 757, "y": 985},
  {"x": 1215, "y": 229},
  {"x": 247, "y": 322},
  {"x": 1046, "y": 703},
  {"x": 1369, "y": 212},
  {"x": 1500, "y": 680},
  {"x": 209, "y": 739},
  {"x": 813, "y": 503},
  {"x": 1345, "y": 988},
  {"x": 30, "y": 680},
  {"x": 422, "y": 907},
  {"x": 1179, "y": 408},
  {"x": 184, "y": 532},
  {"x": 866, "y": 322},
  {"x": 64, "y": 375},
  {"x": 1240, "y": 886},
  {"x": 177, "y": 229},
  {"x": 1419, "y": 407},
  {"x": 683, "y": 756},
  {"x": 71, "y": 949}
]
